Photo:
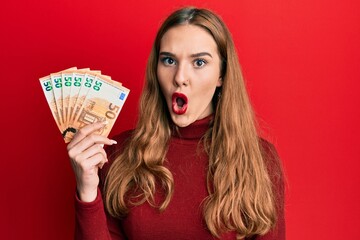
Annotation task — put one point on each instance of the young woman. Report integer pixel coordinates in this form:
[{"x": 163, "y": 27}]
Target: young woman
[{"x": 194, "y": 167}]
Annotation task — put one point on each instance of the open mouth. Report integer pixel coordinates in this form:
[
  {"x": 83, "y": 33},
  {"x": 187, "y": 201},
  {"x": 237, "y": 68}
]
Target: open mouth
[{"x": 179, "y": 103}]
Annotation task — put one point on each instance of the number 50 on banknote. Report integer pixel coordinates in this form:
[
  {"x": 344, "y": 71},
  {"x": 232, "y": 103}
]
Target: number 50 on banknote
[{"x": 78, "y": 97}]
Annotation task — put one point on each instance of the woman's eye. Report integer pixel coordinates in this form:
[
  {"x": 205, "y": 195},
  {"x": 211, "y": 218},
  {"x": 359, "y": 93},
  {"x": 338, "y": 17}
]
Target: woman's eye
[
  {"x": 199, "y": 63},
  {"x": 168, "y": 61}
]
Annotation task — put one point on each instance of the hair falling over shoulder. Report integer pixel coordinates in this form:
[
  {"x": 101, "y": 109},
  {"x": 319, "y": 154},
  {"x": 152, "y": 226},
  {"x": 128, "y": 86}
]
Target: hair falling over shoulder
[
  {"x": 241, "y": 196},
  {"x": 139, "y": 167}
]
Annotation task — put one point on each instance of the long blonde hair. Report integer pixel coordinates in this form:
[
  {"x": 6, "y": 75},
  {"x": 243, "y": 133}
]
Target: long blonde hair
[{"x": 241, "y": 197}]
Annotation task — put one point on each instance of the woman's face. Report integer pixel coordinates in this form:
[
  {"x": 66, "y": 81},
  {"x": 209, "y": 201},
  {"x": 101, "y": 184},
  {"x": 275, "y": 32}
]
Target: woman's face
[{"x": 188, "y": 72}]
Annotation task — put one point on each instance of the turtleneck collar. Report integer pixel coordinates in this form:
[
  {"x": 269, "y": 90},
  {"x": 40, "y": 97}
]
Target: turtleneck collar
[{"x": 195, "y": 130}]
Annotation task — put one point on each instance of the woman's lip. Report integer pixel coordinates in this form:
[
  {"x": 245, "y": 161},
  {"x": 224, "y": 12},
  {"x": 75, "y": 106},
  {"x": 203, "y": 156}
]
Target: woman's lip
[{"x": 176, "y": 109}]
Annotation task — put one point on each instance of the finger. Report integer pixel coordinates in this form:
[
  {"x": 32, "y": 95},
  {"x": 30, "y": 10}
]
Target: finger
[
  {"x": 90, "y": 152},
  {"x": 102, "y": 163},
  {"x": 88, "y": 142},
  {"x": 85, "y": 131},
  {"x": 94, "y": 162}
]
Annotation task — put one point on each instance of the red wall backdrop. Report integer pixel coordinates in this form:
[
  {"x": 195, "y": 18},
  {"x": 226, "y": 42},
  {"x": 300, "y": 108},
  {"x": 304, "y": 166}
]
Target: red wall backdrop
[{"x": 301, "y": 61}]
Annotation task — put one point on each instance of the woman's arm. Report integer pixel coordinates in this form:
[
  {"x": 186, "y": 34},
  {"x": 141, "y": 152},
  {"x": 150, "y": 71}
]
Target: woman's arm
[
  {"x": 92, "y": 222},
  {"x": 276, "y": 174},
  {"x": 87, "y": 156}
]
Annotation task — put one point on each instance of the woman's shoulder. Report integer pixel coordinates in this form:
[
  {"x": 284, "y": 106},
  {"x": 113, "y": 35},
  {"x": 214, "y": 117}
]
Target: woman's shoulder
[
  {"x": 266, "y": 146},
  {"x": 121, "y": 140},
  {"x": 123, "y": 135},
  {"x": 270, "y": 155},
  {"x": 269, "y": 152},
  {"x": 274, "y": 166},
  {"x": 276, "y": 174},
  {"x": 113, "y": 151}
]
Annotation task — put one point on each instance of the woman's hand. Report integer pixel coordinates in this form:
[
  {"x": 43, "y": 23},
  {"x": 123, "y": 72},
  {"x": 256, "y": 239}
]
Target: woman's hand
[{"x": 87, "y": 155}]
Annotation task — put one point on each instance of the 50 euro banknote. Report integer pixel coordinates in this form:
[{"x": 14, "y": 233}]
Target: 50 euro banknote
[{"x": 78, "y": 97}]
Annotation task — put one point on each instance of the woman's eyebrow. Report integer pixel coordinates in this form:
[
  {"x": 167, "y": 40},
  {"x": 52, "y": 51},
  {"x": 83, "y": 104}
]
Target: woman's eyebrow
[
  {"x": 201, "y": 54},
  {"x": 167, "y": 54},
  {"x": 195, "y": 55}
]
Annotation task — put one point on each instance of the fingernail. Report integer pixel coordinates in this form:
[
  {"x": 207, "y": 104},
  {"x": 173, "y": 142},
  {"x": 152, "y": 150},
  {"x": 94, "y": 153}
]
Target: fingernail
[{"x": 113, "y": 142}]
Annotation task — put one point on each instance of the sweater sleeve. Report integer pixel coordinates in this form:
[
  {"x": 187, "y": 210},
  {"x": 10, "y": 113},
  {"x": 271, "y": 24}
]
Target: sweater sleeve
[
  {"x": 275, "y": 170},
  {"x": 91, "y": 221}
]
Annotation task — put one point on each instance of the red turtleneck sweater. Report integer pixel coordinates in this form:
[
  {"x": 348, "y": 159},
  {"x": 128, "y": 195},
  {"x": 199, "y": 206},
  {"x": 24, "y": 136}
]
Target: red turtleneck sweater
[{"x": 182, "y": 219}]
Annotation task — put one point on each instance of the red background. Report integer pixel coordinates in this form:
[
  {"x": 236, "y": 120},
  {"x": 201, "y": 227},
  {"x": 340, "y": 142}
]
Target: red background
[{"x": 301, "y": 61}]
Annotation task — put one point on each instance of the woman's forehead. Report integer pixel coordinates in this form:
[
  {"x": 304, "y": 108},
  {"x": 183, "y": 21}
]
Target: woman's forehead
[{"x": 189, "y": 38}]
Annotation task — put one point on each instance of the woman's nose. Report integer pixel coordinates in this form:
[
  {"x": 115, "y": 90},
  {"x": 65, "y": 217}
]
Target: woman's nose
[{"x": 181, "y": 77}]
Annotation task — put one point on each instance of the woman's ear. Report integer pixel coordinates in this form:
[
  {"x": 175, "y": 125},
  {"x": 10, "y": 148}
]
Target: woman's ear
[{"x": 219, "y": 83}]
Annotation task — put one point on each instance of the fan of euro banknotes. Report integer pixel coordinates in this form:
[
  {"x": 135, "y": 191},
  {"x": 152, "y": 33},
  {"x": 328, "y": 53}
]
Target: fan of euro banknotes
[{"x": 78, "y": 97}]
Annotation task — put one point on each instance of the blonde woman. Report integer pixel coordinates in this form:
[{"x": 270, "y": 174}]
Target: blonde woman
[{"x": 194, "y": 167}]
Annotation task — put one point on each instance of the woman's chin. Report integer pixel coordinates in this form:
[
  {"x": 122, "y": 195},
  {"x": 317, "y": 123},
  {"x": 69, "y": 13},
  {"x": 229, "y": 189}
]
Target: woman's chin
[{"x": 181, "y": 120}]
